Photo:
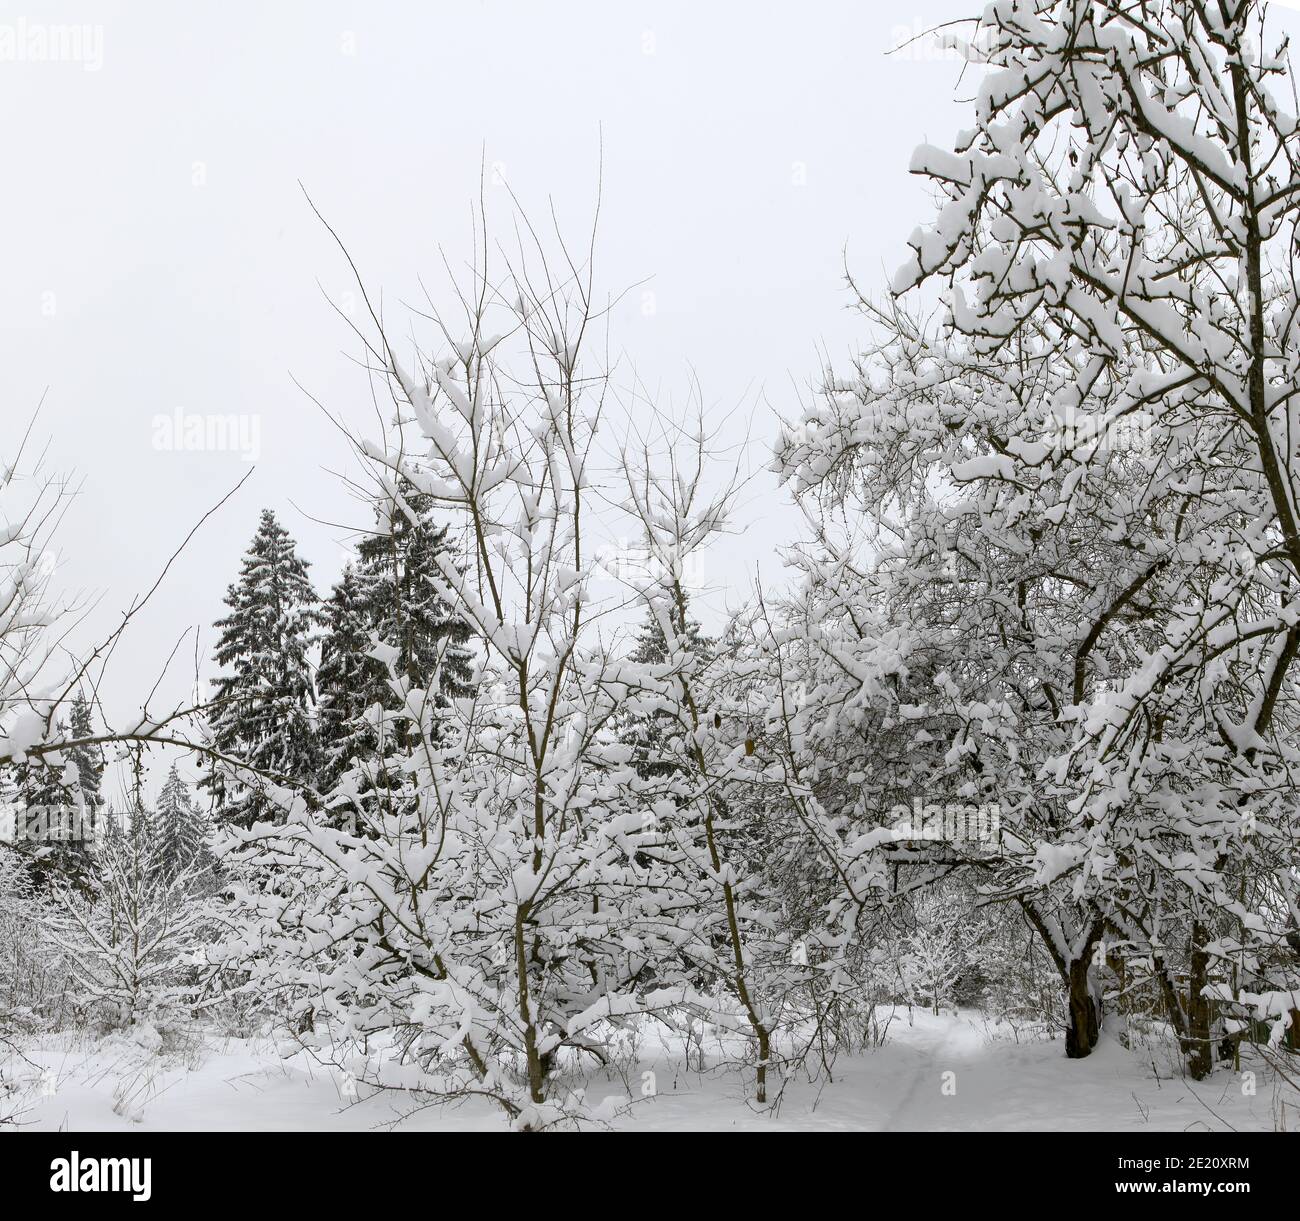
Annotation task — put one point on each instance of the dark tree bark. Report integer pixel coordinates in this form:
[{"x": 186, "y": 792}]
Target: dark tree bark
[
  {"x": 1200, "y": 1053},
  {"x": 1084, "y": 1027}
]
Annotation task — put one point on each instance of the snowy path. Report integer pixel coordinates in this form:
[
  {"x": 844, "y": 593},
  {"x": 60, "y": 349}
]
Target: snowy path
[
  {"x": 956, "y": 1079},
  {"x": 938, "y": 1048}
]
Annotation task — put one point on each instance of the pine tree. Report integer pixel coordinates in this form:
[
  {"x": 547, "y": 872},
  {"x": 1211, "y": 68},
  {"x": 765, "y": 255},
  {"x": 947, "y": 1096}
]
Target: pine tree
[
  {"x": 265, "y": 704},
  {"x": 49, "y": 819},
  {"x": 347, "y": 678},
  {"x": 389, "y": 598},
  {"x": 59, "y": 797},
  {"x": 648, "y": 735},
  {"x": 42, "y": 800},
  {"x": 178, "y": 829},
  {"x": 397, "y": 565},
  {"x": 90, "y": 768}
]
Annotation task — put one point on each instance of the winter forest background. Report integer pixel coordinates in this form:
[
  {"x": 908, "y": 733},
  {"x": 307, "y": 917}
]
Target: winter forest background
[{"x": 556, "y": 714}]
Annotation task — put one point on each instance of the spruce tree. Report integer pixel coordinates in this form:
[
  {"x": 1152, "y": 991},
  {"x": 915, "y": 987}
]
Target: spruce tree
[
  {"x": 648, "y": 735},
  {"x": 89, "y": 759},
  {"x": 49, "y": 818},
  {"x": 43, "y": 801},
  {"x": 347, "y": 679},
  {"x": 390, "y": 598},
  {"x": 397, "y": 565},
  {"x": 62, "y": 803},
  {"x": 178, "y": 829},
  {"x": 265, "y": 702}
]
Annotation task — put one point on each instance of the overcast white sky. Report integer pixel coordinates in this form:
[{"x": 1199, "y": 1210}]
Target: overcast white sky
[{"x": 159, "y": 255}]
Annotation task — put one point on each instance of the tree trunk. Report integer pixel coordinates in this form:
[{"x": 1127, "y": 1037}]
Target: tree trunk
[
  {"x": 1084, "y": 1026},
  {"x": 1200, "y": 1054},
  {"x": 1083, "y": 998}
]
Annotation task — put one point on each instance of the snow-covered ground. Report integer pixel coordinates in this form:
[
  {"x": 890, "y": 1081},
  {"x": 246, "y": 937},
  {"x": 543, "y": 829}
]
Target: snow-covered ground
[{"x": 947, "y": 1073}]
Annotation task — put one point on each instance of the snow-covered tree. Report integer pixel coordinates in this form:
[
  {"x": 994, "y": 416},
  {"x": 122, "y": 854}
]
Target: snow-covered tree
[
  {"x": 975, "y": 621},
  {"x": 178, "y": 831},
  {"x": 133, "y": 934},
  {"x": 399, "y": 567},
  {"x": 940, "y": 949},
  {"x": 264, "y": 705},
  {"x": 34, "y": 970},
  {"x": 647, "y": 734},
  {"x": 58, "y": 800},
  {"x": 389, "y": 600},
  {"x": 88, "y": 757},
  {"x": 346, "y": 679},
  {"x": 1161, "y": 223},
  {"x": 1079, "y": 488}
]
